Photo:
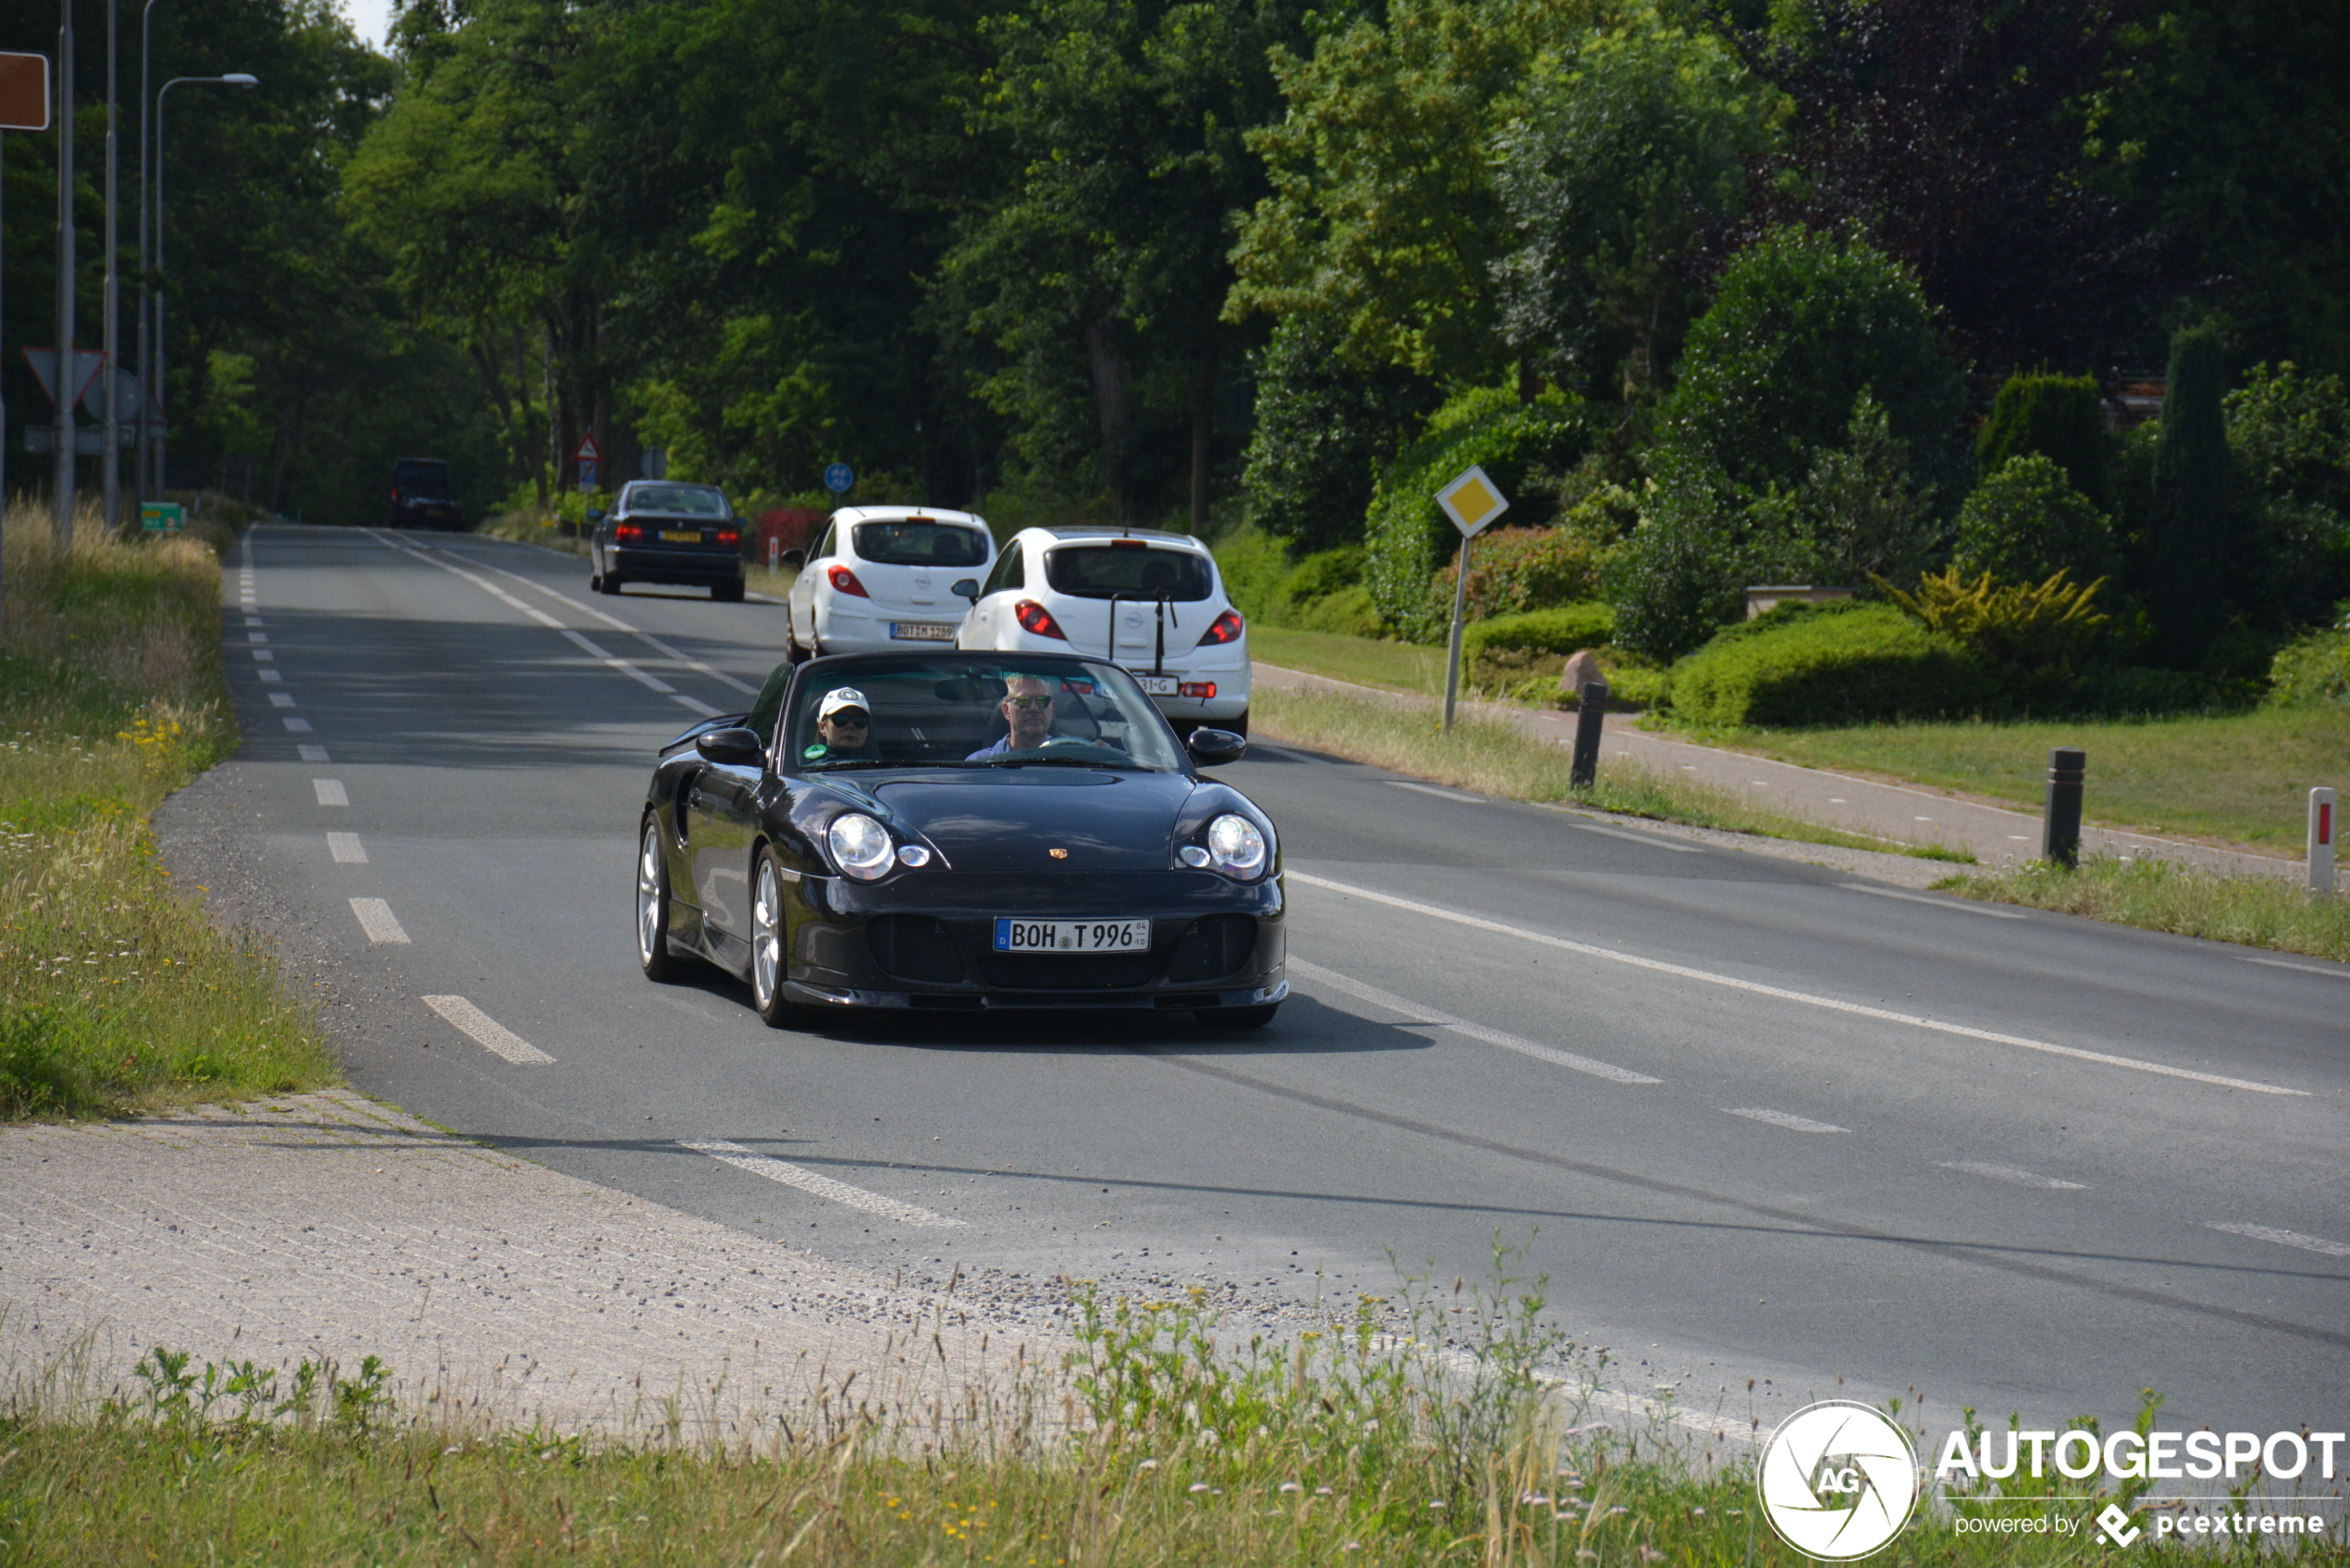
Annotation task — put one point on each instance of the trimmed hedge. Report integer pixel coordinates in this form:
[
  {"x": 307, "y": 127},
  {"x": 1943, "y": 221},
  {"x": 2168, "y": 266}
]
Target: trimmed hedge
[
  {"x": 1515, "y": 570},
  {"x": 1566, "y": 629},
  {"x": 1829, "y": 664}
]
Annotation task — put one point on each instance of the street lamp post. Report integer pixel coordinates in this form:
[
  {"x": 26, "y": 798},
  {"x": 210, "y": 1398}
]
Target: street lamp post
[
  {"x": 146, "y": 27},
  {"x": 234, "y": 79},
  {"x": 110, "y": 475}
]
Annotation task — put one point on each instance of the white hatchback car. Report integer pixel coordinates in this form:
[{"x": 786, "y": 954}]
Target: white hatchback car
[
  {"x": 880, "y": 578},
  {"x": 1153, "y": 602}
]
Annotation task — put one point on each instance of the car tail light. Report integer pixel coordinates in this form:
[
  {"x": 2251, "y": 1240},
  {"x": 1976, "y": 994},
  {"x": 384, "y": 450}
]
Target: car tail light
[
  {"x": 845, "y": 581},
  {"x": 629, "y": 532},
  {"x": 1227, "y": 628},
  {"x": 1201, "y": 689},
  {"x": 1034, "y": 617},
  {"x": 730, "y": 537}
]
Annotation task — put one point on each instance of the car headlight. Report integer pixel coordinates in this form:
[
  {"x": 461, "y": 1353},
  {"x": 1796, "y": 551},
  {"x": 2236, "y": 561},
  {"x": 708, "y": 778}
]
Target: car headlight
[
  {"x": 861, "y": 846},
  {"x": 1235, "y": 847}
]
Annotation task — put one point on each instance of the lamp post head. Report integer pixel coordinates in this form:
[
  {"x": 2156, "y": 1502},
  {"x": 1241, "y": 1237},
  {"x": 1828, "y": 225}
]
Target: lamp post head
[{"x": 239, "y": 79}]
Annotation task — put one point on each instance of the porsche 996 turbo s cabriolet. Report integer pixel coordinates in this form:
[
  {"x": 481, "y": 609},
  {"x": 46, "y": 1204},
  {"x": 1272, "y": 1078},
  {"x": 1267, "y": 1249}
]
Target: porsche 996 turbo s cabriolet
[{"x": 961, "y": 830}]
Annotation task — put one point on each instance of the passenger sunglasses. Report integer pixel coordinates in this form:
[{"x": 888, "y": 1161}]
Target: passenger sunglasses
[{"x": 1031, "y": 703}]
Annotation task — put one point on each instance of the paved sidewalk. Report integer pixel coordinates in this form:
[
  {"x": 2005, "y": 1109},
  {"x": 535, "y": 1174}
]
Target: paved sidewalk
[
  {"x": 501, "y": 1292},
  {"x": 1904, "y": 814}
]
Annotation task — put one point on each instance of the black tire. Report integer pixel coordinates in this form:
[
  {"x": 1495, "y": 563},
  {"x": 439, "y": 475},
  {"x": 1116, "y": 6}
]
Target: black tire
[
  {"x": 595, "y": 582},
  {"x": 770, "y": 937},
  {"x": 609, "y": 584},
  {"x": 1238, "y": 726},
  {"x": 653, "y": 904},
  {"x": 727, "y": 593},
  {"x": 1238, "y": 1018}
]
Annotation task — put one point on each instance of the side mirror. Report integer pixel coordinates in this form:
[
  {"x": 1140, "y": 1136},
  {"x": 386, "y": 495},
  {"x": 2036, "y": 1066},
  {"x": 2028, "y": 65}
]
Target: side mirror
[
  {"x": 595, "y": 514},
  {"x": 1213, "y": 749},
  {"x": 966, "y": 589},
  {"x": 737, "y": 748},
  {"x": 795, "y": 558}
]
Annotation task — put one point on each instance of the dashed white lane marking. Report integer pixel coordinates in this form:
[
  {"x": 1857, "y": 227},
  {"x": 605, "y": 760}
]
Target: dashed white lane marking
[
  {"x": 263, "y": 655},
  {"x": 2284, "y": 1238},
  {"x": 2009, "y": 1173},
  {"x": 272, "y": 677},
  {"x": 1732, "y": 982},
  {"x": 1961, "y": 904},
  {"x": 1652, "y": 843},
  {"x": 476, "y": 579},
  {"x": 613, "y": 661},
  {"x": 299, "y": 726},
  {"x": 281, "y": 699},
  {"x": 346, "y": 849},
  {"x": 331, "y": 792},
  {"x": 314, "y": 754},
  {"x": 253, "y": 620},
  {"x": 256, "y": 639},
  {"x": 791, "y": 1175},
  {"x": 1461, "y": 796},
  {"x": 694, "y": 705},
  {"x": 1427, "y": 1015},
  {"x": 1788, "y": 1120},
  {"x": 376, "y": 920},
  {"x": 617, "y": 625},
  {"x": 2305, "y": 969},
  {"x": 488, "y": 1032}
]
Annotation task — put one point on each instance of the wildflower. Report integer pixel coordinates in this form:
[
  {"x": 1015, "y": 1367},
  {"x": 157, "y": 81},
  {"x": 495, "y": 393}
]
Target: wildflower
[
  {"x": 1148, "y": 1464},
  {"x": 1291, "y": 1486}
]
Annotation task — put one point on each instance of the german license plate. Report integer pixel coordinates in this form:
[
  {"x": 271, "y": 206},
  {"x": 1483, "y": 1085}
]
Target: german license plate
[
  {"x": 1071, "y": 936},
  {"x": 681, "y": 536},
  {"x": 921, "y": 631},
  {"x": 1156, "y": 685}
]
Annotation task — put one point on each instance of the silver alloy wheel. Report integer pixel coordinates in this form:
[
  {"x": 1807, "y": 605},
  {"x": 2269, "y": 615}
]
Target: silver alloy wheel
[
  {"x": 766, "y": 936},
  {"x": 648, "y": 869}
]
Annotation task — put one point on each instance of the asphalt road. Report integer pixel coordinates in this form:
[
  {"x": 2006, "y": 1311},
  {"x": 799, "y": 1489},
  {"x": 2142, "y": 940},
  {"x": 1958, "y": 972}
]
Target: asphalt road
[{"x": 1752, "y": 1120}]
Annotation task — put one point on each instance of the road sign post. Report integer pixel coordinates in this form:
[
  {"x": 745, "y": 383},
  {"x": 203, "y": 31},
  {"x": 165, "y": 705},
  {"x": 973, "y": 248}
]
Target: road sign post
[
  {"x": 161, "y": 517},
  {"x": 838, "y": 478},
  {"x": 588, "y": 458},
  {"x": 1471, "y": 502},
  {"x": 2321, "y": 840}
]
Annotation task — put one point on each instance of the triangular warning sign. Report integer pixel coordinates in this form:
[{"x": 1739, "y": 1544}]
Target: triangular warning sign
[{"x": 588, "y": 451}]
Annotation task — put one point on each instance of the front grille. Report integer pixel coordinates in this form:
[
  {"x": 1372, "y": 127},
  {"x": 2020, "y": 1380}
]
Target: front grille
[
  {"x": 915, "y": 947},
  {"x": 1066, "y": 971},
  {"x": 1216, "y": 945}
]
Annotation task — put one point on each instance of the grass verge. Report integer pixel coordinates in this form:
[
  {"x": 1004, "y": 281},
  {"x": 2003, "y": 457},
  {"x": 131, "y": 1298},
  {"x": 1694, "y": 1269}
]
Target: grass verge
[
  {"x": 1494, "y": 759},
  {"x": 115, "y": 994},
  {"x": 2241, "y": 778},
  {"x": 1427, "y": 1432},
  {"x": 1398, "y": 666},
  {"x": 2158, "y": 895}
]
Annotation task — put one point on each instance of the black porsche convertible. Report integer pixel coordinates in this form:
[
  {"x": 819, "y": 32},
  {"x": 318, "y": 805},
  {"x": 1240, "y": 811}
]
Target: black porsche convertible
[{"x": 972, "y": 832}]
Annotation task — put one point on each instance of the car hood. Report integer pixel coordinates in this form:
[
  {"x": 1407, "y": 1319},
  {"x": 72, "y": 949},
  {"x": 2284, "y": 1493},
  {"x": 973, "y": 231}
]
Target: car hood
[{"x": 1011, "y": 818}]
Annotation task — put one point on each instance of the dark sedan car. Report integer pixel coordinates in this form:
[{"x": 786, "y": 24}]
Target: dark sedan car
[
  {"x": 954, "y": 831},
  {"x": 420, "y": 497},
  {"x": 662, "y": 531}
]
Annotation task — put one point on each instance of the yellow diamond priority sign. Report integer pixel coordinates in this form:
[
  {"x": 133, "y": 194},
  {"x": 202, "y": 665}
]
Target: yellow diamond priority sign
[{"x": 1471, "y": 502}]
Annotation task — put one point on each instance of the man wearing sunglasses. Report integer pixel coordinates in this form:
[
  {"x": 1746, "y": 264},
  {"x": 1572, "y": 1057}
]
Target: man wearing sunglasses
[
  {"x": 1028, "y": 710},
  {"x": 843, "y": 727}
]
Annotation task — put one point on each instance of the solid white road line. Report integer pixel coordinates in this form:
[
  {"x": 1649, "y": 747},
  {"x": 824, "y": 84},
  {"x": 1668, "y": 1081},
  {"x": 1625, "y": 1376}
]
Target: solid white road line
[
  {"x": 617, "y": 625},
  {"x": 653, "y": 682},
  {"x": 1415, "y": 1011},
  {"x": 331, "y": 792},
  {"x": 2284, "y": 1238},
  {"x": 488, "y": 1032},
  {"x": 298, "y": 726},
  {"x": 1782, "y": 1118},
  {"x": 1650, "y": 839},
  {"x": 791, "y": 1175},
  {"x": 281, "y": 699},
  {"x": 1963, "y": 908},
  {"x": 346, "y": 849},
  {"x": 1732, "y": 982},
  {"x": 2305, "y": 969},
  {"x": 2009, "y": 1173},
  {"x": 314, "y": 754},
  {"x": 376, "y": 920},
  {"x": 1444, "y": 794}
]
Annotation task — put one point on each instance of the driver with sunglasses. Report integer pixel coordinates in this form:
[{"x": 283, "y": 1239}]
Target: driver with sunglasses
[
  {"x": 843, "y": 727},
  {"x": 1028, "y": 710}
]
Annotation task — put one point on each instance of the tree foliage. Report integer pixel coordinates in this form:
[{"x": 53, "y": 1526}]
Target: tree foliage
[
  {"x": 2189, "y": 531},
  {"x": 2027, "y": 521},
  {"x": 2060, "y": 417}
]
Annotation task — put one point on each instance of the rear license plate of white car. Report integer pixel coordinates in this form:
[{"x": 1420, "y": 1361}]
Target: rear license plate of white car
[
  {"x": 921, "y": 631},
  {"x": 681, "y": 536},
  {"x": 1156, "y": 685},
  {"x": 1071, "y": 936}
]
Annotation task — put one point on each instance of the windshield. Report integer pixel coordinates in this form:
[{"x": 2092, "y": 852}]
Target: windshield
[
  {"x": 684, "y": 500},
  {"x": 975, "y": 713},
  {"x": 918, "y": 541},
  {"x": 1127, "y": 567}
]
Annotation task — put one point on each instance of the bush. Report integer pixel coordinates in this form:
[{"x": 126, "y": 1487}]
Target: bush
[
  {"x": 1409, "y": 537},
  {"x": 1514, "y": 570},
  {"x": 2026, "y": 520},
  {"x": 1566, "y": 629},
  {"x": 2032, "y": 635},
  {"x": 1321, "y": 433},
  {"x": 1829, "y": 664},
  {"x": 1321, "y": 592},
  {"x": 2314, "y": 670},
  {"x": 1254, "y": 567},
  {"x": 2058, "y": 417}
]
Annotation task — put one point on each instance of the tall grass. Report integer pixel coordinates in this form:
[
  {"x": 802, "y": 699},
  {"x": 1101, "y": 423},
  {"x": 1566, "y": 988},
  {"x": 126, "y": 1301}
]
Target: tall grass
[
  {"x": 1497, "y": 759},
  {"x": 114, "y": 991},
  {"x": 2160, "y": 896}
]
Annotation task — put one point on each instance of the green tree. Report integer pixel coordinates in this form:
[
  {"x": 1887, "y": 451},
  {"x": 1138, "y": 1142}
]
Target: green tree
[
  {"x": 2061, "y": 417},
  {"x": 1322, "y": 434},
  {"x": 2026, "y": 521},
  {"x": 2189, "y": 532}
]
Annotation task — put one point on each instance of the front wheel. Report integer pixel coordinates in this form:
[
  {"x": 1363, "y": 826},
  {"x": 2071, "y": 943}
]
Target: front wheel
[
  {"x": 652, "y": 905},
  {"x": 1238, "y": 1018},
  {"x": 769, "y": 933}
]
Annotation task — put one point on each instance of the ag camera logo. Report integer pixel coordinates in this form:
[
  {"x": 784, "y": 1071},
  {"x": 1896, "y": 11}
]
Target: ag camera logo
[{"x": 1839, "y": 1480}]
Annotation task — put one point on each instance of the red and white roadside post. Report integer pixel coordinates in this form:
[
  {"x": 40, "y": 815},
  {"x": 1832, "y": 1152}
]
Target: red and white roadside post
[{"x": 2321, "y": 840}]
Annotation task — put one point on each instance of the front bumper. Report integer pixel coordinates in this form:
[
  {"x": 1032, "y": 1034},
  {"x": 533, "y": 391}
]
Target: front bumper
[
  {"x": 925, "y": 940},
  {"x": 640, "y": 565}
]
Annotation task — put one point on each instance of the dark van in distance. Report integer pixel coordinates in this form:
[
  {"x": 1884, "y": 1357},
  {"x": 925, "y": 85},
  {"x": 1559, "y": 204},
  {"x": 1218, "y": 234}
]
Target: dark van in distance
[{"x": 420, "y": 497}]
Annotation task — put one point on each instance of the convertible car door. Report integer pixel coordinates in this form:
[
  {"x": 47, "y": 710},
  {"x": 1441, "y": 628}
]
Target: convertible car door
[{"x": 719, "y": 808}]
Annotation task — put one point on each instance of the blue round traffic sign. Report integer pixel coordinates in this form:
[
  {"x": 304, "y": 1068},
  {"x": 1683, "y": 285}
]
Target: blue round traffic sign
[{"x": 837, "y": 478}]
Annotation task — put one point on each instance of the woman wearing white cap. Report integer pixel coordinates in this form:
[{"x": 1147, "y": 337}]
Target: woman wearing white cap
[{"x": 844, "y": 725}]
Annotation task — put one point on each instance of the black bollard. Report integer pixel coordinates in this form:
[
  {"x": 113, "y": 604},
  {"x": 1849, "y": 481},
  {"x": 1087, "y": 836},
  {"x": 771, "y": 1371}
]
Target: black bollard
[
  {"x": 2060, "y": 829},
  {"x": 1589, "y": 714}
]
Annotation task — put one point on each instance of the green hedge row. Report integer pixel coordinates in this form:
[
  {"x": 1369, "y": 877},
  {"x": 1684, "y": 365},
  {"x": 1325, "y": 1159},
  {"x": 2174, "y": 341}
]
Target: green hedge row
[
  {"x": 1566, "y": 629},
  {"x": 1848, "y": 664}
]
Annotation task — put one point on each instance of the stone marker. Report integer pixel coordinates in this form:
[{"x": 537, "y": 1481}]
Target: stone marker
[{"x": 1582, "y": 668}]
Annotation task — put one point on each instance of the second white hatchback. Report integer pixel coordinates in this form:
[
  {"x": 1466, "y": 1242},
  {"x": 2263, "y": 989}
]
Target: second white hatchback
[
  {"x": 1153, "y": 602},
  {"x": 880, "y": 578}
]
